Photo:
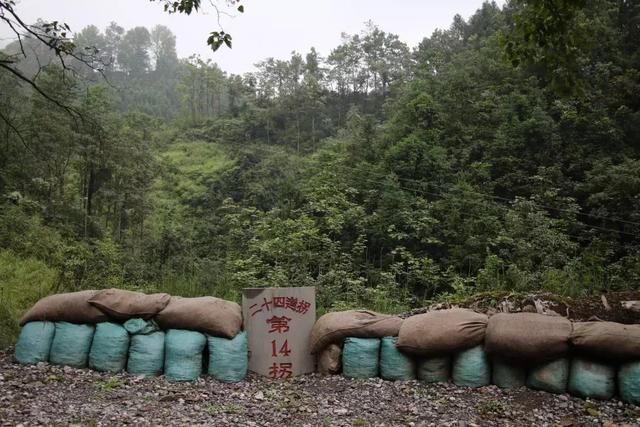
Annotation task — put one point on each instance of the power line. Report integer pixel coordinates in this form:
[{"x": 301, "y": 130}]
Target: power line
[
  {"x": 505, "y": 199},
  {"x": 440, "y": 195},
  {"x": 425, "y": 192},
  {"x": 489, "y": 196}
]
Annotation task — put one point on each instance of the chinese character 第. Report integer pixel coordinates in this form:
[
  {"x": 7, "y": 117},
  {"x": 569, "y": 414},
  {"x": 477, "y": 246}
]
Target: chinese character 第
[{"x": 279, "y": 324}]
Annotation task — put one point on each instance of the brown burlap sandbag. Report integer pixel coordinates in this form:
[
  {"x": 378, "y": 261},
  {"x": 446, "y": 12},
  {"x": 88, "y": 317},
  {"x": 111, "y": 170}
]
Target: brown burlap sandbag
[
  {"x": 70, "y": 307},
  {"x": 607, "y": 340},
  {"x": 442, "y": 331},
  {"x": 330, "y": 360},
  {"x": 527, "y": 337},
  {"x": 210, "y": 315},
  {"x": 333, "y": 328},
  {"x": 119, "y": 304}
]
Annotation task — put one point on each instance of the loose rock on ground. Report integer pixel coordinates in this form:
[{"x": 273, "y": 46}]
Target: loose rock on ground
[{"x": 54, "y": 395}]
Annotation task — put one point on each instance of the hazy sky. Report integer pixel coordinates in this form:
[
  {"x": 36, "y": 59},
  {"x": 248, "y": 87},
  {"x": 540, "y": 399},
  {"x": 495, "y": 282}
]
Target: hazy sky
[{"x": 268, "y": 28}]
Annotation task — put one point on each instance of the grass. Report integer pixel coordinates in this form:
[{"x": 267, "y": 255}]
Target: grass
[
  {"x": 229, "y": 408},
  {"x": 189, "y": 168},
  {"x": 23, "y": 281},
  {"x": 110, "y": 385},
  {"x": 54, "y": 378},
  {"x": 492, "y": 407}
]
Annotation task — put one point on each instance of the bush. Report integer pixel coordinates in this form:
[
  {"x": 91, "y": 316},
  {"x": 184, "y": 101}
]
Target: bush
[{"x": 23, "y": 281}]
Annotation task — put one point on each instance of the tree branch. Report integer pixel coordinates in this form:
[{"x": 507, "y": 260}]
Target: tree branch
[
  {"x": 72, "y": 111},
  {"x": 17, "y": 132}
]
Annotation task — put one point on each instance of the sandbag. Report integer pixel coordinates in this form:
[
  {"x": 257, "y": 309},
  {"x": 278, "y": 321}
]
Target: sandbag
[
  {"x": 210, "y": 315},
  {"x": 109, "y": 348},
  {"x": 506, "y": 375},
  {"x": 360, "y": 357},
  {"x": 228, "y": 358},
  {"x": 70, "y": 307},
  {"x": 330, "y": 360},
  {"x": 434, "y": 369},
  {"x": 527, "y": 338},
  {"x": 334, "y": 328},
  {"x": 71, "y": 344},
  {"x": 183, "y": 355},
  {"x": 471, "y": 368},
  {"x": 395, "y": 365},
  {"x": 146, "y": 354},
  {"x": 441, "y": 332},
  {"x": 140, "y": 326},
  {"x": 34, "y": 343},
  {"x": 551, "y": 376},
  {"x": 607, "y": 340},
  {"x": 592, "y": 379},
  {"x": 629, "y": 382},
  {"x": 120, "y": 304}
]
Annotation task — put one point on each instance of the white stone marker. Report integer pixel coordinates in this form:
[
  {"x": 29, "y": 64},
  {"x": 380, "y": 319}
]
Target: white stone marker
[{"x": 278, "y": 322}]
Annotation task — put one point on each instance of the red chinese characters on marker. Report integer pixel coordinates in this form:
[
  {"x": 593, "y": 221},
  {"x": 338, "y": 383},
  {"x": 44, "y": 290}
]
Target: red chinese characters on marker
[
  {"x": 289, "y": 303},
  {"x": 280, "y": 325},
  {"x": 278, "y": 322},
  {"x": 281, "y": 370}
]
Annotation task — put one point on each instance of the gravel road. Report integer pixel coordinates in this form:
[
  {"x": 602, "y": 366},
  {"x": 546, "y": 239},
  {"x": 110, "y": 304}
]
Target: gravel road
[{"x": 53, "y": 395}]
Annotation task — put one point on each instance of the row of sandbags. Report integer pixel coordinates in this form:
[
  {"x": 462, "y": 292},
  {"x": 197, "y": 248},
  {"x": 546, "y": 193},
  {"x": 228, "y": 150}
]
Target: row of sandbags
[
  {"x": 138, "y": 346},
  {"x": 527, "y": 338},
  {"x": 372, "y": 357},
  {"x": 209, "y": 315}
]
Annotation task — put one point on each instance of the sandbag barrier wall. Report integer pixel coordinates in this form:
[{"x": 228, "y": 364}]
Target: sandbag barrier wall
[
  {"x": 589, "y": 359},
  {"x": 548, "y": 353},
  {"x": 115, "y": 330}
]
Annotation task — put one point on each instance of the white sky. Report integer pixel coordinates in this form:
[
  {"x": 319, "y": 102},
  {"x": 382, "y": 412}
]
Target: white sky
[{"x": 268, "y": 28}]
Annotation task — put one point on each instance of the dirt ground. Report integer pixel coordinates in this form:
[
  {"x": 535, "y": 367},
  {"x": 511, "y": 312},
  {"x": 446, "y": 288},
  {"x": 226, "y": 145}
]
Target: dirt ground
[{"x": 53, "y": 395}]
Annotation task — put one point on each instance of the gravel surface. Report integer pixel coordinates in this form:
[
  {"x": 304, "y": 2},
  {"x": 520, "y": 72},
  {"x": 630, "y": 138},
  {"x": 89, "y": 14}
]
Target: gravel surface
[{"x": 53, "y": 395}]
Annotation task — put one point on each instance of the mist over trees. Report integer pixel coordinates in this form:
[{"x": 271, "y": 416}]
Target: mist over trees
[{"x": 382, "y": 174}]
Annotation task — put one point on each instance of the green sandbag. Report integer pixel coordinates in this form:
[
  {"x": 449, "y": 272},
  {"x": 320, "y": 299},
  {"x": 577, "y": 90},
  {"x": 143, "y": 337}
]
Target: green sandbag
[
  {"x": 471, "y": 368},
  {"x": 140, "y": 326},
  {"x": 506, "y": 375},
  {"x": 395, "y": 365},
  {"x": 146, "y": 354},
  {"x": 228, "y": 358},
  {"x": 109, "y": 348},
  {"x": 629, "y": 382},
  {"x": 551, "y": 376},
  {"x": 183, "y": 354},
  {"x": 434, "y": 369},
  {"x": 360, "y": 357},
  {"x": 71, "y": 344},
  {"x": 34, "y": 343},
  {"x": 592, "y": 379}
]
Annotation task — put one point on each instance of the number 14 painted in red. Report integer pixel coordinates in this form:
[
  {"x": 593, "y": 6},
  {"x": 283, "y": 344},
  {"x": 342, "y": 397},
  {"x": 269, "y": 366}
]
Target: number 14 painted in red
[{"x": 284, "y": 350}]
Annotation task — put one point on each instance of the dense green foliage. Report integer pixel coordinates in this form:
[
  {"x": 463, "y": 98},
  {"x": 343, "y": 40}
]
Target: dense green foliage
[{"x": 382, "y": 175}]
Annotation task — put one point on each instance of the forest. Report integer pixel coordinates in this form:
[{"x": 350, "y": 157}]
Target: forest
[{"x": 483, "y": 160}]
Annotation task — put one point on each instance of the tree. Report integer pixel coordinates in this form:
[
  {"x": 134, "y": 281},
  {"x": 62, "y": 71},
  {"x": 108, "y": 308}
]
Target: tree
[
  {"x": 56, "y": 36},
  {"x": 133, "y": 52},
  {"x": 163, "y": 49},
  {"x": 553, "y": 35}
]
